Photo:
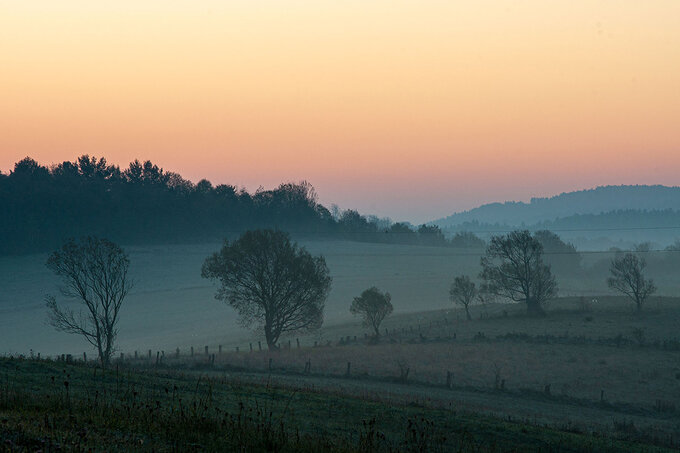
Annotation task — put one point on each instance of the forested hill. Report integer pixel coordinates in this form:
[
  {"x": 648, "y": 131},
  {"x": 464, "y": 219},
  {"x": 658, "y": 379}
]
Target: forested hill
[
  {"x": 593, "y": 201},
  {"x": 40, "y": 207}
]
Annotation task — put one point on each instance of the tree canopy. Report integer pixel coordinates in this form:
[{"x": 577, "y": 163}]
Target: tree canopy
[
  {"x": 627, "y": 277},
  {"x": 373, "y": 306},
  {"x": 94, "y": 272},
  {"x": 463, "y": 292},
  {"x": 42, "y": 207},
  {"x": 513, "y": 268},
  {"x": 272, "y": 283}
]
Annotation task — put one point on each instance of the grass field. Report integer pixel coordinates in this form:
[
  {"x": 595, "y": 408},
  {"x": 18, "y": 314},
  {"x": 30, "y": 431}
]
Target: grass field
[
  {"x": 52, "y": 406},
  {"x": 579, "y": 354},
  {"x": 172, "y": 306},
  {"x": 593, "y": 365},
  {"x": 593, "y": 375}
]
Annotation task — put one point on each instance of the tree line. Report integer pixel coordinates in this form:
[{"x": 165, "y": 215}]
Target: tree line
[{"x": 43, "y": 206}]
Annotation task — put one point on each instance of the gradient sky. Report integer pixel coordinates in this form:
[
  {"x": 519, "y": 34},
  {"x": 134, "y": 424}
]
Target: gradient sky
[{"x": 410, "y": 109}]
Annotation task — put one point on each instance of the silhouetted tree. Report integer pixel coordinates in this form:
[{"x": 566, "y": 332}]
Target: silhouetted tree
[
  {"x": 143, "y": 203},
  {"x": 431, "y": 235},
  {"x": 271, "y": 282},
  {"x": 463, "y": 292},
  {"x": 95, "y": 273},
  {"x": 467, "y": 240},
  {"x": 373, "y": 306},
  {"x": 513, "y": 268},
  {"x": 402, "y": 233},
  {"x": 559, "y": 254},
  {"x": 627, "y": 277}
]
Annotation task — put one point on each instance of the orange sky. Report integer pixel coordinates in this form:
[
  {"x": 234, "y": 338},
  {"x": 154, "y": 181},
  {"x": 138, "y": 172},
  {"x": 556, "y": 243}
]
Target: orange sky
[{"x": 412, "y": 109}]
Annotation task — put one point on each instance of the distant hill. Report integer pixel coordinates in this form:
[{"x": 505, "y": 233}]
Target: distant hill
[
  {"x": 595, "y": 231},
  {"x": 593, "y": 201}
]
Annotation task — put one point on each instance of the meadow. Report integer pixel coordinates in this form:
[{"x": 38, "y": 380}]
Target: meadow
[
  {"x": 55, "y": 406},
  {"x": 172, "y": 306},
  {"x": 593, "y": 375},
  {"x": 587, "y": 364}
]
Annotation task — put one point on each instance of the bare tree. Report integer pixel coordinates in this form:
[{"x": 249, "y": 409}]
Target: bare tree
[
  {"x": 374, "y": 306},
  {"x": 95, "y": 273},
  {"x": 271, "y": 282},
  {"x": 627, "y": 277},
  {"x": 463, "y": 292},
  {"x": 513, "y": 268}
]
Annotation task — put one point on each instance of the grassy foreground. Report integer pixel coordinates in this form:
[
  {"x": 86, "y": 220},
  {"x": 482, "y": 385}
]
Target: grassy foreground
[{"x": 53, "y": 406}]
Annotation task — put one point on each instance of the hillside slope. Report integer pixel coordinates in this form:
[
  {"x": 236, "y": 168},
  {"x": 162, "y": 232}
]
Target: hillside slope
[{"x": 591, "y": 201}]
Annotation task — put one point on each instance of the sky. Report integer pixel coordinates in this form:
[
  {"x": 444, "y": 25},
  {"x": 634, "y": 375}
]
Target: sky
[{"x": 407, "y": 109}]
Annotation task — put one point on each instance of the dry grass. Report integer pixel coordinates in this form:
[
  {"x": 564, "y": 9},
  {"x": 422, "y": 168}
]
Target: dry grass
[
  {"x": 634, "y": 376},
  {"x": 636, "y": 373}
]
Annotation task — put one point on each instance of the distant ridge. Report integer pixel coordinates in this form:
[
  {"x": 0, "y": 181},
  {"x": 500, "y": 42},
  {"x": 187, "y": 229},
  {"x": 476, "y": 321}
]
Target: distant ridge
[{"x": 591, "y": 201}]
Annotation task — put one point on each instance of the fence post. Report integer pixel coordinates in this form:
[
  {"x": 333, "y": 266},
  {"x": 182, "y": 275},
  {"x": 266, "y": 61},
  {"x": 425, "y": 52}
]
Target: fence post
[
  {"x": 449, "y": 379},
  {"x": 349, "y": 364},
  {"x": 219, "y": 349},
  {"x": 158, "y": 357},
  {"x": 251, "y": 347},
  {"x": 270, "y": 363},
  {"x": 298, "y": 342},
  {"x": 136, "y": 355},
  {"x": 206, "y": 350},
  {"x": 192, "y": 351},
  {"x": 237, "y": 349},
  {"x": 177, "y": 353},
  {"x": 149, "y": 354},
  {"x": 259, "y": 345},
  {"x": 84, "y": 357}
]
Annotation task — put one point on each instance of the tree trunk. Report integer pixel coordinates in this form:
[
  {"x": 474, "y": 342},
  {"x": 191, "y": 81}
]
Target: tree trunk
[
  {"x": 467, "y": 313},
  {"x": 638, "y": 305},
  {"x": 271, "y": 339},
  {"x": 102, "y": 356},
  {"x": 534, "y": 307},
  {"x": 377, "y": 331}
]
